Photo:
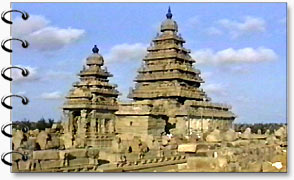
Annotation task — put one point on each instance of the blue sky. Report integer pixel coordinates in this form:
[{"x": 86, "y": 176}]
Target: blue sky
[{"x": 240, "y": 49}]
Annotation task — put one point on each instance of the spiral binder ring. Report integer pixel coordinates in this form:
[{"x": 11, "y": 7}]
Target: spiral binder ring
[
  {"x": 24, "y": 15},
  {"x": 25, "y": 72},
  {"x": 24, "y": 129},
  {"x": 24, "y": 100},
  {"x": 24, "y": 44},
  {"x": 23, "y": 157}
]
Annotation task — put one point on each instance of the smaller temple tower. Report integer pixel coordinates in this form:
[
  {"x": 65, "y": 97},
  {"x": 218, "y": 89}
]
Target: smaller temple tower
[{"x": 90, "y": 106}]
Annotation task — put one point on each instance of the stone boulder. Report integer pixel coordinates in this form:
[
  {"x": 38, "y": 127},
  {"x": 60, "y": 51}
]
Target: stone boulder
[
  {"x": 214, "y": 136},
  {"x": 281, "y": 133},
  {"x": 230, "y": 135},
  {"x": 246, "y": 134}
]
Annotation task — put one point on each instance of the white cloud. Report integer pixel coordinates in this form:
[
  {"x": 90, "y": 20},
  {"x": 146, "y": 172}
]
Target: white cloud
[
  {"x": 206, "y": 75},
  {"x": 214, "y": 31},
  {"x": 234, "y": 56},
  {"x": 34, "y": 23},
  {"x": 215, "y": 89},
  {"x": 58, "y": 75},
  {"x": 193, "y": 21},
  {"x": 126, "y": 52},
  {"x": 42, "y": 36},
  {"x": 52, "y": 95},
  {"x": 18, "y": 77},
  {"x": 248, "y": 26},
  {"x": 21, "y": 93}
]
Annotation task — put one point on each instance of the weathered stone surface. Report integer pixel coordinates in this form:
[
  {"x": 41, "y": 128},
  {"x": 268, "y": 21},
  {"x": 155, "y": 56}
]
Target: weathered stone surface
[
  {"x": 203, "y": 164},
  {"x": 76, "y": 153},
  {"x": 230, "y": 135},
  {"x": 93, "y": 153},
  {"x": 24, "y": 165},
  {"x": 221, "y": 164},
  {"x": 16, "y": 156},
  {"x": 66, "y": 140},
  {"x": 17, "y": 139},
  {"x": 31, "y": 143},
  {"x": 41, "y": 140},
  {"x": 254, "y": 167},
  {"x": 79, "y": 162},
  {"x": 51, "y": 164},
  {"x": 14, "y": 167},
  {"x": 234, "y": 167},
  {"x": 281, "y": 132},
  {"x": 182, "y": 166},
  {"x": 239, "y": 143},
  {"x": 214, "y": 136},
  {"x": 271, "y": 139},
  {"x": 246, "y": 134},
  {"x": 187, "y": 148},
  {"x": 46, "y": 155}
]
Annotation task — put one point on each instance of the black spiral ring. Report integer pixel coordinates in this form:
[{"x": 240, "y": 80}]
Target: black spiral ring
[
  {"x": 24, "y": 15},
  {"x": 25, "y": 72},
  {"x": 23, "y": 157},
  {"x": 24, "y": 44},
  {"x": 24, "y": 129},
  {"x": 24, "y": 100}
]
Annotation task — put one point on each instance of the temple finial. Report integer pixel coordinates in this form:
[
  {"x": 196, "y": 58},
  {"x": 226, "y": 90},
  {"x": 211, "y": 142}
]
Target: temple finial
[
  {"x": 95, "y": 49},
  {"x": 169, "y": 15}
]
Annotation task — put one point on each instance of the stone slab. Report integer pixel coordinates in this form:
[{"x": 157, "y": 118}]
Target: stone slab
[
  {"x": 191, "y": 148},
  {"x": 79, "y": 162},
  {"x": 46, "y": 155},
  {"x": 51, "y": 164}
]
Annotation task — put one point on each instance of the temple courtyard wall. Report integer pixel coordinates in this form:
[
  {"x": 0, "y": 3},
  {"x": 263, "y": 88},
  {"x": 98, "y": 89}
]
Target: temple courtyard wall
[{"x": 214, "y": 151}]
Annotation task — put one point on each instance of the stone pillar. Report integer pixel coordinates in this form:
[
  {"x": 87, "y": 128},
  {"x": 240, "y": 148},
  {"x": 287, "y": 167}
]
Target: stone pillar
[
  {"x": 111, "y": 127},
  {"x": 80, "y": 140},
  {"x": 68, "y": 123},
  {"x": 103, "y": 126},
  {"x": 99, "y": 126},
  {"x": 93, "y": 122},
  {"x": 83, "y": 121}
]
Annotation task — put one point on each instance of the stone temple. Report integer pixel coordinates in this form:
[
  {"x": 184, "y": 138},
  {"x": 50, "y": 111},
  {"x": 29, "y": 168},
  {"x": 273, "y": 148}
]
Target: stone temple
[
  {"x": 167, "y": 95},
  {"x": 91, "y": 105},
  {"x": 170, "y": 125}
]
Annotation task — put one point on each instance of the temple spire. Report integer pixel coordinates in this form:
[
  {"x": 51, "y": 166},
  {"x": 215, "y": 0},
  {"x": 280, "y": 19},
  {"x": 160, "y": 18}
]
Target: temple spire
[
  {"x": 169, "y": 15},
  {"x": 95, "y": 49}
]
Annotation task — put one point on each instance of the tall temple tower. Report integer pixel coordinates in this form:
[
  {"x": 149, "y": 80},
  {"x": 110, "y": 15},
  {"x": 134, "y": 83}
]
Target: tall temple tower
[
  {"x": 90, "y": 105},
  {"x": 167, "y": 95}
]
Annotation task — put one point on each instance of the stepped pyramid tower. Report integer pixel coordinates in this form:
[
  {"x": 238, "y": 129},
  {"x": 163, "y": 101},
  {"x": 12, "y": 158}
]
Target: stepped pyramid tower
[
  {"x": 90, "y": 105},
  {"x": 167, "y": 95}
]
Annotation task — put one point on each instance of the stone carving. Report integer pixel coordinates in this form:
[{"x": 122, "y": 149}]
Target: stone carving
[
  {"x": 17, "y": 139},
  {"x": 42, "y": 139}
]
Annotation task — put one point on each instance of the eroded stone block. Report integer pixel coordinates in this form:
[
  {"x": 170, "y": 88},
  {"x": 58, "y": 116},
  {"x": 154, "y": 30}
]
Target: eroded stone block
[
  {"x": 187, "y": 148},
  {"x": 46, "y": 155}
]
